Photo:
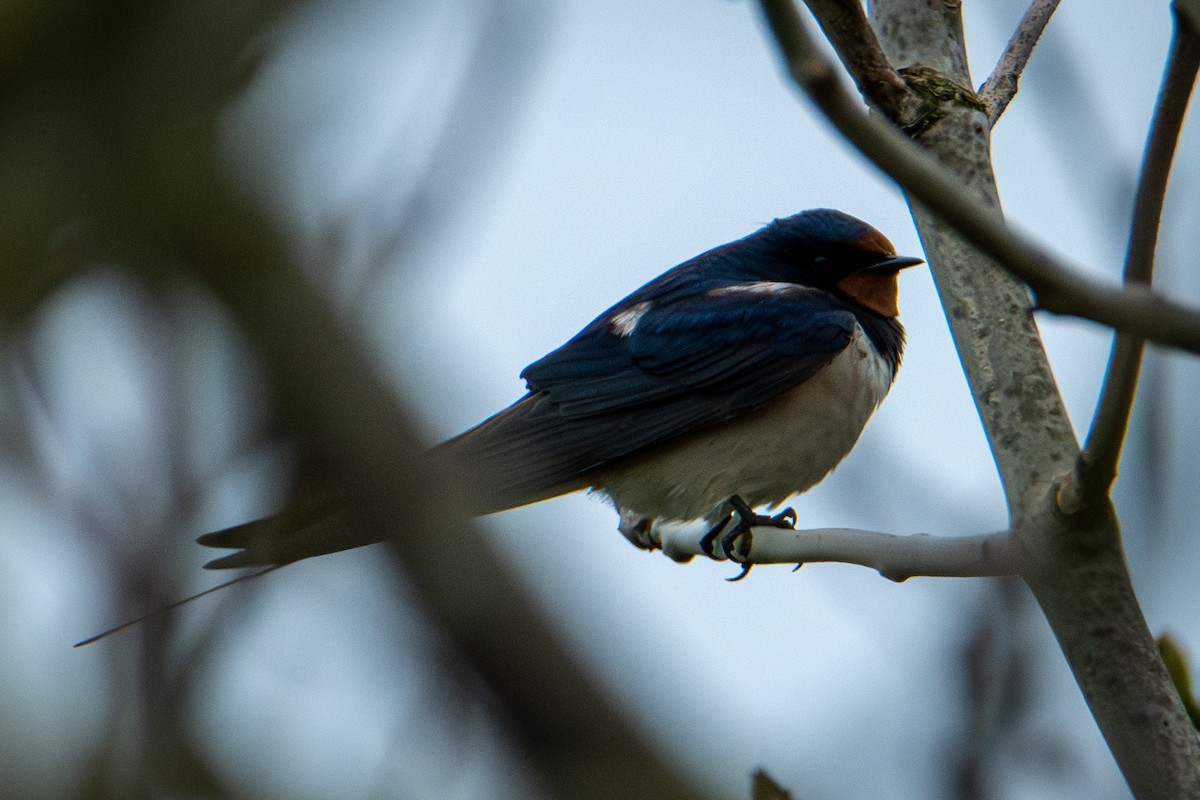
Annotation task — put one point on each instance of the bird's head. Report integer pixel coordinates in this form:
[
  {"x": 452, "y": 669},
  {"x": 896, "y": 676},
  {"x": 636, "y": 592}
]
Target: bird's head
[{"x": 833, "y": 251}]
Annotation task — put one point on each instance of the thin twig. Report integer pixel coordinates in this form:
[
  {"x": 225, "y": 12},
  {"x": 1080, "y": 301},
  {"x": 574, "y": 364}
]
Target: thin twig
[
  {"x": 1098, "y": 462},
  {"x": 1001, "y": 86},
  {"x": 1060, "y": 288},
  {"x": 893, "y": 556},
  {"x": 482, "y": 106},
  {"x": 845, "y": 24}
]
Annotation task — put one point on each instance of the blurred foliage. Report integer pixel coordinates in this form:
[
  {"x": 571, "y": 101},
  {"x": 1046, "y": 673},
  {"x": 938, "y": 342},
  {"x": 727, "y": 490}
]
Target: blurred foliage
[
  {"x": 110, "y": 127},
  {"x": 765, "y": 788},
  {"x": 1181, "y": 673}
]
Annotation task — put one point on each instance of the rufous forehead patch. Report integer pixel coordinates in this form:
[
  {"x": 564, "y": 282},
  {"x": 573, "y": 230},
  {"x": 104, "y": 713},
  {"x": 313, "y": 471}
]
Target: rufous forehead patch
[{"x": 875, "y": 242}]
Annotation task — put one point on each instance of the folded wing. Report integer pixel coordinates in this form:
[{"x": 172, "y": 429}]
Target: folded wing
[{"x": 619, "y": 389}]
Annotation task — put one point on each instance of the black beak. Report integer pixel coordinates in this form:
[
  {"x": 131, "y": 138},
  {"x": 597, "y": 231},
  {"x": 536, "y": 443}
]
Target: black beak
[{"x": 895, "y": 264}]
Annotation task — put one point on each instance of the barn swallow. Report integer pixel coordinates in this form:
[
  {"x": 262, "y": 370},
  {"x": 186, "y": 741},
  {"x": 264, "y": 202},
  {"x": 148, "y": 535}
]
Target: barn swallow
[{"x": 731, "y": 382}]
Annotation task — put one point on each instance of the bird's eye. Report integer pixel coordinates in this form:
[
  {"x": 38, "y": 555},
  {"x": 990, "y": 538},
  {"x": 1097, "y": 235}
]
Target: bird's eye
[{"x": 819, "y": 260}]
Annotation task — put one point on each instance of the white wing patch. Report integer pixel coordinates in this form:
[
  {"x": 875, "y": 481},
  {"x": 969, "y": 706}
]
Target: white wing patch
[
  {"x": 756, "y": 287},
  {"x": 623, "y": 322}
]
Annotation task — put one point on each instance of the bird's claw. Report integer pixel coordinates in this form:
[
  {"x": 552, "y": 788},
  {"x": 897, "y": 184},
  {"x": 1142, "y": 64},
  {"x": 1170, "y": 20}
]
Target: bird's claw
[
  {"x": 736, "y": 540},
  {"x": 745, "y": 571},
  {"x": 784, "y": 519}
]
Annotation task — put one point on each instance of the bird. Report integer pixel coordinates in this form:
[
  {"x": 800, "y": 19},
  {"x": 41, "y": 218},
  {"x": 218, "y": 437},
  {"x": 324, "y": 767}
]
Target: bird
[{"x": 731, "y": 382}]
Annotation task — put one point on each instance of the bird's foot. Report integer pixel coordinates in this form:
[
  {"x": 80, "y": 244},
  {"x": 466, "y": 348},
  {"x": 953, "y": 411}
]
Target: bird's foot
[
  {"x": 637, "y": 529},
  {"x": 735, "y": 541}
]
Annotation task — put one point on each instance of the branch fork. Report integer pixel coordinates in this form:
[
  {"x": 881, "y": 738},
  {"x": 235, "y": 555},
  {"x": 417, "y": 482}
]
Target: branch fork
[{"x": 1069, "y": 537}]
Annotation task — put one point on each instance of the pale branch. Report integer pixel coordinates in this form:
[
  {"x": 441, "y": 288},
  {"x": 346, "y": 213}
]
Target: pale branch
[
  {"x": 845, "y": 25},
  {"x": 1073, "y": 563},
  {"x": 1001, "y": 86},
  {"x": 1059, "y": 288},
  {"x": 1097, "y": 467},
  {"x": 893, "y": 556}
]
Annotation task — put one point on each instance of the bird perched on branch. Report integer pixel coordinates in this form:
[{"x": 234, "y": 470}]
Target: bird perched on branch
[{"x": 731, "y": 382}]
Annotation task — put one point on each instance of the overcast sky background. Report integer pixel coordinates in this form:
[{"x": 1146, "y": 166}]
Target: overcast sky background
[{"x": 629, "y": 136}]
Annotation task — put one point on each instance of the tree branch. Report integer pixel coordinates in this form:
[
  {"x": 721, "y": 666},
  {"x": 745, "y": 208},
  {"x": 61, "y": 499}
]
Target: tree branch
[
  {"x": 845, "y": 25},
  {"x": 1060, "y": 288},
  {"x": 1097, "y": 466},
  {"x": 1073, "y": 563},
  {"x": 1188, "y": 10},
  {"x": 895, "y": 557},
  {"x": 1001, "y": 86}
]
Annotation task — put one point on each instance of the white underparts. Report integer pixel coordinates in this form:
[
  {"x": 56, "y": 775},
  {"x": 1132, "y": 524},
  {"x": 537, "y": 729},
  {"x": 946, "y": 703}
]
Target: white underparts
[{"x": 764, "y": 456}]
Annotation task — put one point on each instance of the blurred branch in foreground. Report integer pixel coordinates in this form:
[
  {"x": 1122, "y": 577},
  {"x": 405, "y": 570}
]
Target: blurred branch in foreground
[{"x": 113, "y": 129}]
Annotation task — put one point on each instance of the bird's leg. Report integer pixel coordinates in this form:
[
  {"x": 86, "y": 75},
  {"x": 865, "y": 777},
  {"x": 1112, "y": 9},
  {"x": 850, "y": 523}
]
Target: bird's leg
[{"x": 747, "y": 519}]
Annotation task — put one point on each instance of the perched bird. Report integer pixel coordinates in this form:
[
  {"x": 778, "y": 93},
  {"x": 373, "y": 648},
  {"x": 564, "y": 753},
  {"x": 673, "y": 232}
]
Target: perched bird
[{"x": 731, "y": 382}]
